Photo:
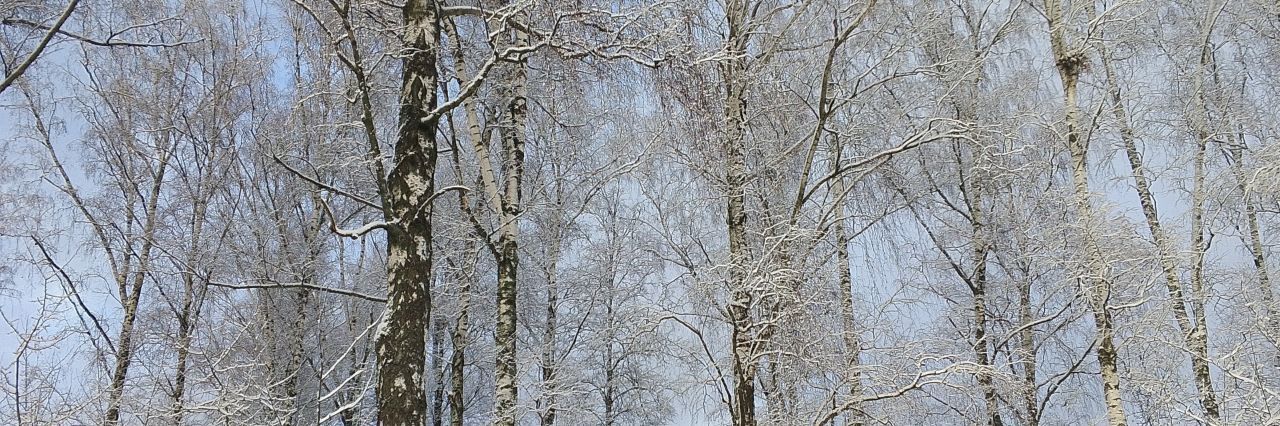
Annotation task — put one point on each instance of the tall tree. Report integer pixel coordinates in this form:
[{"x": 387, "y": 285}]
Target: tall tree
[
  {"x": 402, "y": 398},
  {"x": 1070, "y": 59}
]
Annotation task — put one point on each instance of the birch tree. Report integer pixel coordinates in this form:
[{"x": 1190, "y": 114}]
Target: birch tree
[{"x": 1070, "y": 58}]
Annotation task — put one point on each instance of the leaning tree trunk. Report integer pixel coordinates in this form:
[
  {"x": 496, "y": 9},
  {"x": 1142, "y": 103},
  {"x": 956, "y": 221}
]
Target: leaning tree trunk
[
  {"x": 401, "y": 341},
  {"x": 1164, "y": 247},
  {"x": 505, "y": 202},
  {"x": 1255, "y": 242}
]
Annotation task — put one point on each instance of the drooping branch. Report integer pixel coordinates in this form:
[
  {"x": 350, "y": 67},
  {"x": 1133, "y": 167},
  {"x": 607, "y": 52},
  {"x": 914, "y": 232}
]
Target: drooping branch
[
  {"x": 874, "y": 160},
  {"x": 62, "y": 274},
  {"x": 110, "y": 41},
  {"x": 322, "y": 185}
]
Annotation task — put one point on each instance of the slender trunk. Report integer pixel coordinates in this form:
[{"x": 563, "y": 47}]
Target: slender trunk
[
  {"x": 548, "y": 399},
  {"x": 437, "y": 367},
  {"x": 1027, "y": 339},
  {"x": 124, "y": 353},
  {"x": 297, "y": 349},
  {"x": 773, "y": 398},
  {"x": 132, "y": 297},
  {"x": 984, "y": 360},
  {"x": 1164, "y": 247},
  {"x": 184, "y": 348},
  {"x": 513, "y": 140},
  {"x": 295, "y": 339},
  {"x": 1098, "y": 286},
  {"x": 743, "y": 402},
  {"x": 981, "y": 346},
  {"x": 851, "y": 336},
  {"x": 1199, "y": 334},
  {"x": 506, "y": 204},
  {"x": 356, "y": 364},
  {"x": 410, "y": 184},
  {"x": 457, "y": 360},
  {"x": 548, "y": 366},
  {"x": 1255, "y": 243},
  {"x": 466, "y": 274},
  {"x": 1094, "y": 278},
  {"x": 971, "y": 189},
  {"x": 608, "y": 394},
  {"x": 779, "y": 392},
  {"x": 186, "y": 316}
]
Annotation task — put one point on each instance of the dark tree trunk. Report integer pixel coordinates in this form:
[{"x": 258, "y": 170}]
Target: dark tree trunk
[{"x": 410, "y": 183}]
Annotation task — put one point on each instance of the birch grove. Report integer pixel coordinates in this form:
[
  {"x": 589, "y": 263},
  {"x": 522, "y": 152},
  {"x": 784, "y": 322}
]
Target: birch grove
[{"x": 600, "y": 212}]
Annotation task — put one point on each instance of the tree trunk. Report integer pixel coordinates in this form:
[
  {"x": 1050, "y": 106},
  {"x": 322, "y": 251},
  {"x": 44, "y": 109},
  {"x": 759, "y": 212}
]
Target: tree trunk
[
  {"x": 505, "y": 375},
  {"x": 852, "y": 338},
  {"x": 188, "y": 312},
  {"x": 971, "y": 189},
  {"x": 410, "y": 184},
  {"x": 1094, "y": 277},
  {"x": 438, "y": 368},
  {"x": 506, "y": 205},
  {"x": 297, "y": 350},
  {"x": 185, "y": 319},
  {"x": 609, "y": 393},
  {"x": 743, "y": 402},
  {"x": 980, "y": 344},
  {"x": 513, "y": 140},
  {"x": 1164, "y": 247},
  {"x": 457, "y": 360},
  {"x": 1255, "y": 244},
  {"x": 548, "y": 399},
  {"x": 1027, "y": 340},
  {"x": 1199, "y": 335},
  {"x": 132, "y": 297}
]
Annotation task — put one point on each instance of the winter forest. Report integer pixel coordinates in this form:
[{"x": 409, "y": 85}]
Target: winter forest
[{"x": 639, "y": 212}]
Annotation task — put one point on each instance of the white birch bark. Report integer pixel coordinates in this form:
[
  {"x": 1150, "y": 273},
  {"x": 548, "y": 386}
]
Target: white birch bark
[{"x": 1070, "y": 61}]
